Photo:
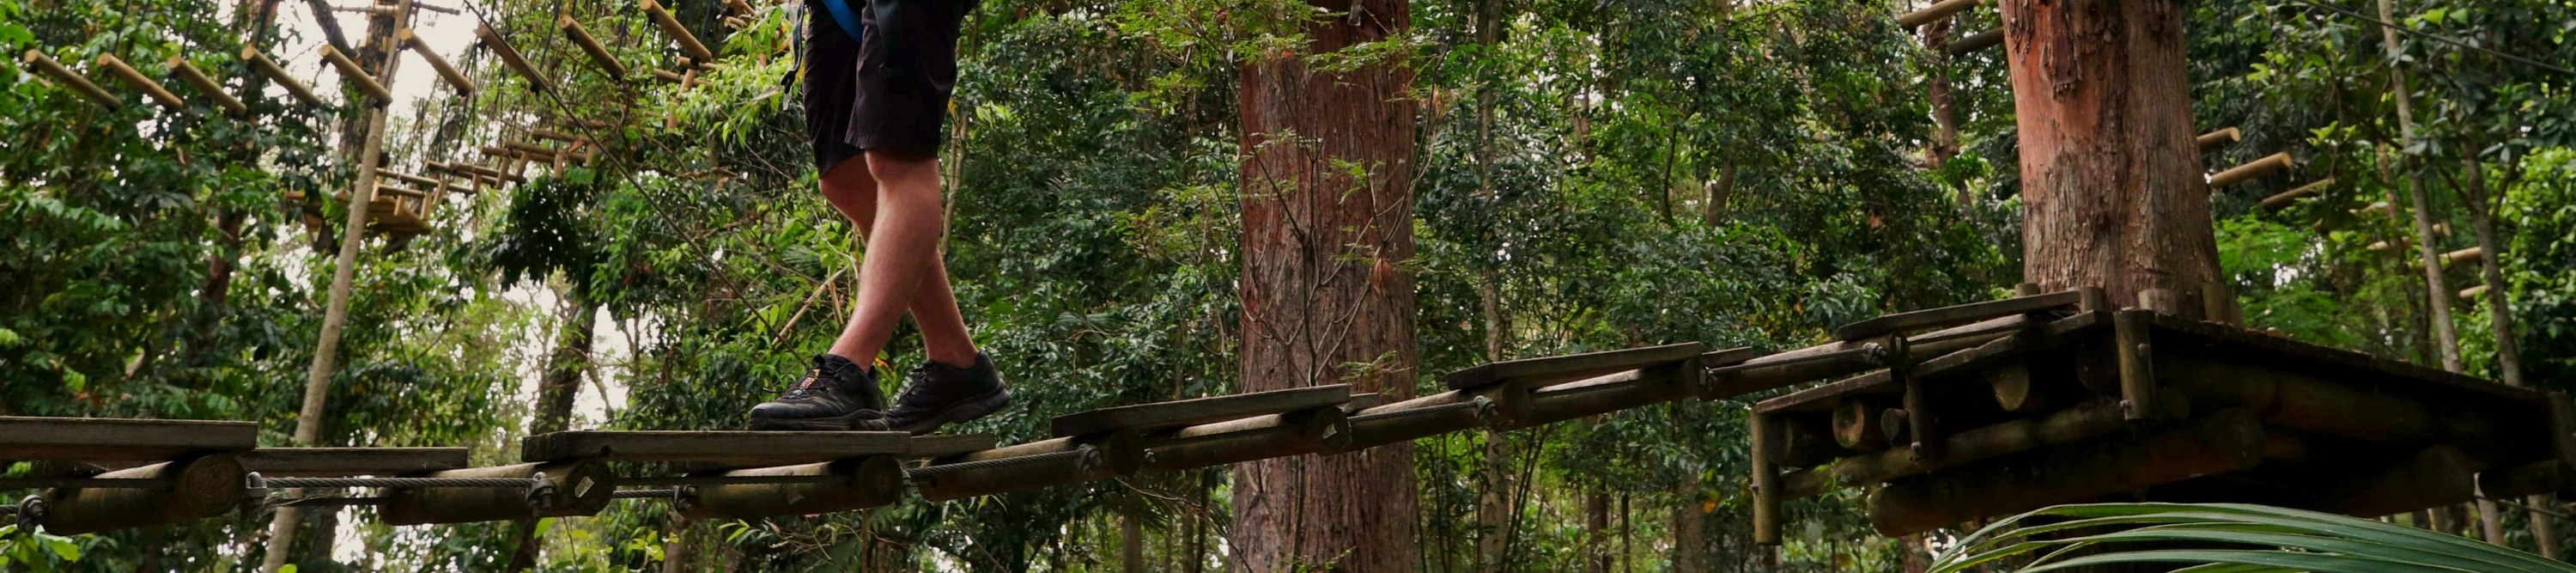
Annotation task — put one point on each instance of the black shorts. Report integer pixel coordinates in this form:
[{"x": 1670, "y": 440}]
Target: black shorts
[{"x": 888, "y": 92}]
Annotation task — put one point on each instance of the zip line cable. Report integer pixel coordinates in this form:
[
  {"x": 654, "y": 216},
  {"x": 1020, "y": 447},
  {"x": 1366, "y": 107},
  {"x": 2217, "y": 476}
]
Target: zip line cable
[{"x": 2435, "y": 37}]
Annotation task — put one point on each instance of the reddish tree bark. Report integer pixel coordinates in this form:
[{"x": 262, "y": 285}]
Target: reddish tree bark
[
  {"x": 2111, "y": 181},
  {"x": 1325, "y": 296}
]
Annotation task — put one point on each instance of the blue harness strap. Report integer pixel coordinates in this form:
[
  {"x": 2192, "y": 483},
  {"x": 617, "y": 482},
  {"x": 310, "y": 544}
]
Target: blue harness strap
[{"x": 849, "y": 19}]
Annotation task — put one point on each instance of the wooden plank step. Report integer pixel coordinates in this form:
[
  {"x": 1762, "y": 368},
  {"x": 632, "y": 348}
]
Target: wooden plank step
[
  {"x": 1168, "y": 415},
  {"x": 728, "y": 448},
  {"x": 102, "y": 439},
  {"x": 333, "y": 462},
  {"x": 1571, "y": 367},
  {"x": 1956, "y": 315}
]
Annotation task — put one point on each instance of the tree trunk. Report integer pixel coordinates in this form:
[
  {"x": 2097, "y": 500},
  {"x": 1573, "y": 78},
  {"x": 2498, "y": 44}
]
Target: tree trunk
[
  {"x": 1596, "y": 538},
  {"x": 1690, "y": 540},
  {"x": 1494, "y": 502},
  {"x": 555, "y": 397},
  {"x": 2482, "y": 202},
  {"x": 2111, "y": 178},
  {"x": 1325, "y": 299},
  {"x": 1131, "y": 536},
  {"x": 326, "y": 350}
]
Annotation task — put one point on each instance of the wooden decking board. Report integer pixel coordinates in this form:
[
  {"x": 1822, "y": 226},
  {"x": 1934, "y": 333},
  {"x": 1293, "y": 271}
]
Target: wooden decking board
[
  {"x": 1572, "y": 366},
  {"x": 734, "y": 448},
  {"x": 1167, "y": 415},
  {"x": 320, "y": 462},
  {"x": 1954, "y": 315},
  {"x": 2429, "y": 378},
  {"x": 100, "y": 439}
]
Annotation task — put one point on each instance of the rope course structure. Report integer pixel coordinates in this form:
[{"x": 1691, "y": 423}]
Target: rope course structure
[{"x": 1954, "y": 414}]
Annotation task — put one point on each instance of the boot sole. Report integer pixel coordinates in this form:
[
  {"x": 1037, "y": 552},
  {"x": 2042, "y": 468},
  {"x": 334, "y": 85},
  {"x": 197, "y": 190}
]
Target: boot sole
[
  {"x": 843, "y": 422},
  {"x": 967, "y": 411}
]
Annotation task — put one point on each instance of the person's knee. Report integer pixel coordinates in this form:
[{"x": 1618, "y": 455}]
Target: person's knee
[
  {"x": 904, "y": 173},
  {"x": 851, "y": 189}
]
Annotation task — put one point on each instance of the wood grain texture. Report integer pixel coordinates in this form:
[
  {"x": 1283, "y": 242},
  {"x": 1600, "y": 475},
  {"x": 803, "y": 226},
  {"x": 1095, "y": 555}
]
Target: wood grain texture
[
  {"x": 728, "y": 447},
  {"x": 1167, "y": 415},
  {"x": 96, "y": 439}
]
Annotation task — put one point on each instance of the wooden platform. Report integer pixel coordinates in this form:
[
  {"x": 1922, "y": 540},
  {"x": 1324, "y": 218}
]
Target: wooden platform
[
  {"x": 1150, "y": 418},
  {"x": 735, "y": 448},
  {"x": 112, "y": 440},
  {"x": 2075, "y": 408}
]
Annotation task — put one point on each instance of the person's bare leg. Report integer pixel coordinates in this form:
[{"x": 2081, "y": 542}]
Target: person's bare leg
[
  {"x": 903, "y": 251},
  {"x": 853, "y": 191}
]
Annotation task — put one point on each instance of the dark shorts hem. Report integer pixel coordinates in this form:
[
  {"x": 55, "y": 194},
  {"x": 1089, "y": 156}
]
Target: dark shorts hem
[{"x": 887, "y": 91}]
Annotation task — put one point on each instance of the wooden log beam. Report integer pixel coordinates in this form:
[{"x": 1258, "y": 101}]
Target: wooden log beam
[
  {"x": 410, "y": 178},
  {"x": 456, "y": 79},
  {"x": 2227, "y": 441},
  {"x": 580, "y": 488},
  {"x": 599, "y": 54},
  {"x": 206, "y": 85},
  {"x": 98, "y": 439},
  {"x": 116, "y": 67},
  {"x": 510, "y": 56},
  {"x": 1989, "y": 350},
  {"x": 2548, "y": 476},
  {"x": 859, "y": 483},
  {"x": 1977, "y": 42},
  {"x": 1405, "y": 421},
  {"x": 2268, "y": 165},
  {"x": 1957, "y": 315},
  {"x": 1937, "y": 11},
  {"x": 2133, "y": 355},
  {"x": 198, "y": 488},
  {"x": 2083, "y": 422},
  {"x": 1797, "y": 442},
  {"x": 356, "y": 76},
  {"x": 266, "y": 67},
  {"x": 1033, "y": 465},
  {"x": 722, "y": 447},
  {"x": 1856, "y": 425},
  {"x": 2285, "y": 199},
  {"x": 1267, "y": 436},
  {"x": 688, "y": 42},
  {"x": 1545, "y": 371},
  {"x": 335, "y": 462},
  {"x": 2218, "y": 139},
  {"x": 1151, "y": 418},
  {"x": 46, "y": 64},
  {"x": 1612, "y": 393}
]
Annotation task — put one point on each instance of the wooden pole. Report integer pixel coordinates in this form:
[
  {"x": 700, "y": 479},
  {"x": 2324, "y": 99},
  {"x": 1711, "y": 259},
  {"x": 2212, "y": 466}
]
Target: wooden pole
[
  {"x": 2083, "y": 422},
  {"x": 1104, "y": 456},
  {"x": 598, "y": 54},
  {"x": 205, "y": 84},
  {"x": 200, "y": 488},
  {"x": 117, "y": 67},
  {"x": 580, "y": 488},
  {"x": 2435, "y": 476},
  {"x": 2217, "y": 139},
  {"x": 1767, "y": 492},
  {"x": 269, "y": 68},
  {"x": 1259, "y": 437},
  {"x": 509, "y": 55},
  {"x": 688, "y": 42},
  {"x": 335, "y": 313},
  {"x": 866, "y": 482},
  {"x": 2274, "y": 163},
  {"x": 2284, "y": 199},
  {"x": 463, "y": 85},
  {"x": 1938, "y": 10},
  {"x": 350, "y": 72},
  {"x": 1977, "y": 42},
  {"x": 46, "y": 64},
  {"x": 2227, "y": 441},
  {"x": 1856, "y": 425}
]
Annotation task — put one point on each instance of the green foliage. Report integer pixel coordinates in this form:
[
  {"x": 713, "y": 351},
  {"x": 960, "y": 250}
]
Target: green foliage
[{"x": 2226, "y": 537}]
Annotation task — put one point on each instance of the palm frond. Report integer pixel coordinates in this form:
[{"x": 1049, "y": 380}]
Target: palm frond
[{"x": 2230, "y": 538}]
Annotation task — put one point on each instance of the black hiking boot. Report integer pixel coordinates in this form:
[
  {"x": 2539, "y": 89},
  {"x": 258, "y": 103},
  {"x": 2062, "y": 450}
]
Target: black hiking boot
[
  {"x": 835, "y": 395},
  {"x": 936, "y": 394}
]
